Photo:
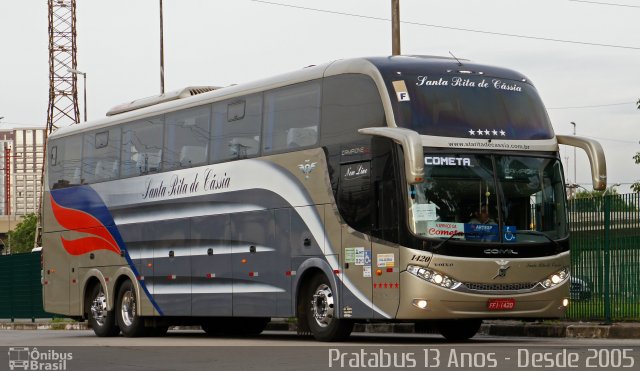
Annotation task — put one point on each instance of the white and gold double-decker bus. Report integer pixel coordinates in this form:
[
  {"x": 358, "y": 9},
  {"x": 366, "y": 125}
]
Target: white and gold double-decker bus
[{"x": 414, "y": 189}]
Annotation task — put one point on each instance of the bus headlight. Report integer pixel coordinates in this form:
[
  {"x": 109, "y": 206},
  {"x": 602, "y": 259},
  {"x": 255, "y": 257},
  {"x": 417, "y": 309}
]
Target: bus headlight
[
  {"x": 432, "y": 276},
  {"x": 556, "y": 278}
]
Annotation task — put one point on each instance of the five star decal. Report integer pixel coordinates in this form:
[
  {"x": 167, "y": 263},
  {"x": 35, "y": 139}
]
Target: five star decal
[{"x": 487, "y": 132}]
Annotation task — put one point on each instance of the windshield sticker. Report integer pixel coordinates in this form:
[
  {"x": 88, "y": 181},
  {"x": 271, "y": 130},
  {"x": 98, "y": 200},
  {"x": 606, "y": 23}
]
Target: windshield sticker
[
  {"x": 447, "y": 161},
  {"x": 402, "y": 93},
  {"x": 424, "y": 212},
  {"x": 508, "y": 233},
  {"x": 481, "y": 232},
  {"x": 465, "y": 82},
  {"x": 445, "y": 230}
]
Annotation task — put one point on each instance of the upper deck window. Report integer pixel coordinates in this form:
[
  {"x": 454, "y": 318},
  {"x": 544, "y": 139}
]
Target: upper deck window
[
  {"x": 480, "y": 107},
  {"x": 291, "y": 117}
]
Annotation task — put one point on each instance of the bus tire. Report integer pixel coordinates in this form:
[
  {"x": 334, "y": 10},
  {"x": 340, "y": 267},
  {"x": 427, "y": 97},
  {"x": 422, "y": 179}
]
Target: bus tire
[
  {"x": 459, "y": 329},
  {"x": 321, "y": 310},
  {"x": 102, "y": 322},
  {"x": 130, "y": 323}
]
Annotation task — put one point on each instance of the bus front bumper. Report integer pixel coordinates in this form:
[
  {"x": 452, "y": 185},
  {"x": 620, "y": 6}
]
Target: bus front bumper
[{"x": 444, "y": 303}]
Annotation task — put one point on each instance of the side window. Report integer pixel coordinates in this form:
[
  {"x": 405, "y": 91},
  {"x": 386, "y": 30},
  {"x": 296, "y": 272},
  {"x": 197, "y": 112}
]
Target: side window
[
  {"x": 291, "y": 117},
  {"x": 141, "y": 147},
  {"x": 236, "y": 128},
  {"x": 186, "y": 138},
  {"x": 66, "y": 171},
  {"x": 101, "y": 155},
  {"x": 354, "y": 195},
  {"x": 55, "y": 165},
  {"x": 350, "y": 102}
]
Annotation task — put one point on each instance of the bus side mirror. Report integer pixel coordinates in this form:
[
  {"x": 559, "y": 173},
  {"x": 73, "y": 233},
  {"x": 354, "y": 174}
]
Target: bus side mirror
[
  {"x": 412, "y": 146},
  {"x": 595, "y": 153}
]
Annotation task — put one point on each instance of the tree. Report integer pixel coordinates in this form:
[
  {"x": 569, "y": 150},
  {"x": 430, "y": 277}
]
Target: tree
[
  {"x": 23, "y": 236},
  {"x": 587, "y": 201}
]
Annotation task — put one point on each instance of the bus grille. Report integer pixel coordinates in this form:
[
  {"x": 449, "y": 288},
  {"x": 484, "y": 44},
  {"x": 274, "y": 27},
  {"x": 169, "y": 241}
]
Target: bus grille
[{"x": 500, "y": 286}]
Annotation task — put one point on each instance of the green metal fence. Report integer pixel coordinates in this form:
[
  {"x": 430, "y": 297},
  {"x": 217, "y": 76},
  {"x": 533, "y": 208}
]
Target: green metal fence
[
  {"x": 605, "y": 258},
  {"x": 20, "y": 288}
]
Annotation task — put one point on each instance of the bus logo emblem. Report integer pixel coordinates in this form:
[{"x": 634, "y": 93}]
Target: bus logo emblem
[
  {"x": 307, "y": 168},
  {"x": 502, "y": 271}
]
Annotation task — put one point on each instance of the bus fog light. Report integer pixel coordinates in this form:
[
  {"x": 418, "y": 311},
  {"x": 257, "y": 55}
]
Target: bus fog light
[
  {"x": 565, "y": 302},
  {"x": 420, "y": 303}
]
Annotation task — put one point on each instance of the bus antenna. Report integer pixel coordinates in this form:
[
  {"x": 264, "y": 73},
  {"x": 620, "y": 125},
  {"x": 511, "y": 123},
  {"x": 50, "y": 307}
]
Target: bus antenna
[{"x": 456, "y": 58}]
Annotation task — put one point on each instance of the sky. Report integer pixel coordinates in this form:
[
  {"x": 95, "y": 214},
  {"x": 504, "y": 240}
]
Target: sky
[{"x": 216, "y": 42}]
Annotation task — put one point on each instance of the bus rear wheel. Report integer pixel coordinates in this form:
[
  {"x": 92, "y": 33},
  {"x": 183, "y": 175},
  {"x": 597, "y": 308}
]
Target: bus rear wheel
[
  {"x": 320, "y": 305},
  {"x": 459, "y": 329},
  {"x": 130, "y": 323},
  {"x": 101, "y": 320}
]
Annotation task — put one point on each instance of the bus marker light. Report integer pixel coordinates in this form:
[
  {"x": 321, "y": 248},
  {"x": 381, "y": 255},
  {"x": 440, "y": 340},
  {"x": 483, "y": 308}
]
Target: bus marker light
[
  {"x": 211, "y": 275},
  {"x": 172, "y": 277},
  {"x": 379, "y": 272},
  {"x": 106, "y": 279},
  {"x": 149, "y": 265},
  {"x": 336, "y": 271},
  {"x": 243, "y": 261},
  {"x": 390, "y": 270},
  {"x": 253, "y": 274},
  {"x": 290, "y": 273},
  {"x": 140, "y": 278}
]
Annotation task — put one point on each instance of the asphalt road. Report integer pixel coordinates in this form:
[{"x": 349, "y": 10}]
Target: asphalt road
[{"x": 193, "y": 350}]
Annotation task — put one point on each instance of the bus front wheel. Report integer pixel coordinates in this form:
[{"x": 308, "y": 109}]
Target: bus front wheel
[
  {"x": 130, "y": 323},
  {"x": 321, "y": 310}
]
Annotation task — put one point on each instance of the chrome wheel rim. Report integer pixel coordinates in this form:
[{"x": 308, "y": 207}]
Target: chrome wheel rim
[
  {"x": 99, "y": 308},
  {"x": 322, "y": 307},
  {"x": 128, "y": 308}
]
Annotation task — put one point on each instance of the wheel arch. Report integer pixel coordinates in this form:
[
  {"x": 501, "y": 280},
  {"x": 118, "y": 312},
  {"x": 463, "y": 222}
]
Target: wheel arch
[
  {"x": 92, "y": 278},
  {"x": 310, "y": 268}
]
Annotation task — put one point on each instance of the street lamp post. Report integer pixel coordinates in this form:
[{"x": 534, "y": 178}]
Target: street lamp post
[
  {"x": 575, "y": 169},
  {"x": 84, "y": 78}
]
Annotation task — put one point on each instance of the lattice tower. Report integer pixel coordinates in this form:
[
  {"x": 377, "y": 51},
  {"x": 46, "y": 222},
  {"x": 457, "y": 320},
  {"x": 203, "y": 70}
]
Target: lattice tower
[{"x": 63, "y": 85}]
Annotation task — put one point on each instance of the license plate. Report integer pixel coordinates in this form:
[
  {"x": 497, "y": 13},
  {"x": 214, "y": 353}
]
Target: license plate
[{"x": 501, "y": 304}]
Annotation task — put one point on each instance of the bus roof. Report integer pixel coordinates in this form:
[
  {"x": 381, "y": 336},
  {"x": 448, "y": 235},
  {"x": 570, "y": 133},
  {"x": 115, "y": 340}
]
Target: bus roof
[{"x": 372, "y": 66}]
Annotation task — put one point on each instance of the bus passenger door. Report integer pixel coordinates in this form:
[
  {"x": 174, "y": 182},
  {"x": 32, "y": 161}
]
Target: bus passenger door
[{"x": 211, "y": 279}]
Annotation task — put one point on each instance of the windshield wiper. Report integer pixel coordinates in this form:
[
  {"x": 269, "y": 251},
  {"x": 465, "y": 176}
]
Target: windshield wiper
[{"x": 536, "y": 233}]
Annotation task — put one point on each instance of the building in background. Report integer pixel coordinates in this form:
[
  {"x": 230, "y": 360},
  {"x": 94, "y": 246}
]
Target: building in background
[{"x": 22, "y": 156}]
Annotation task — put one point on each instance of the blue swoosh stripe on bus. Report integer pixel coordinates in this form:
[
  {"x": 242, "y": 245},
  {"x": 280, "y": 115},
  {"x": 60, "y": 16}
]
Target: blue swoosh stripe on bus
[{"x": 84, "y": 198}]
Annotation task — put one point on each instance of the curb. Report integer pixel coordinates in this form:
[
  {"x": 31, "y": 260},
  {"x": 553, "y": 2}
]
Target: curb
[{"x": 493, "y": 328}]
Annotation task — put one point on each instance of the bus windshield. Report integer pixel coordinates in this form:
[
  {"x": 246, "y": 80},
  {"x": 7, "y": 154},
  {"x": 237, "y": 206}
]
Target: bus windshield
[
  {"x": 479, "y": 107},
  {"x": 489, "y": 198}
]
